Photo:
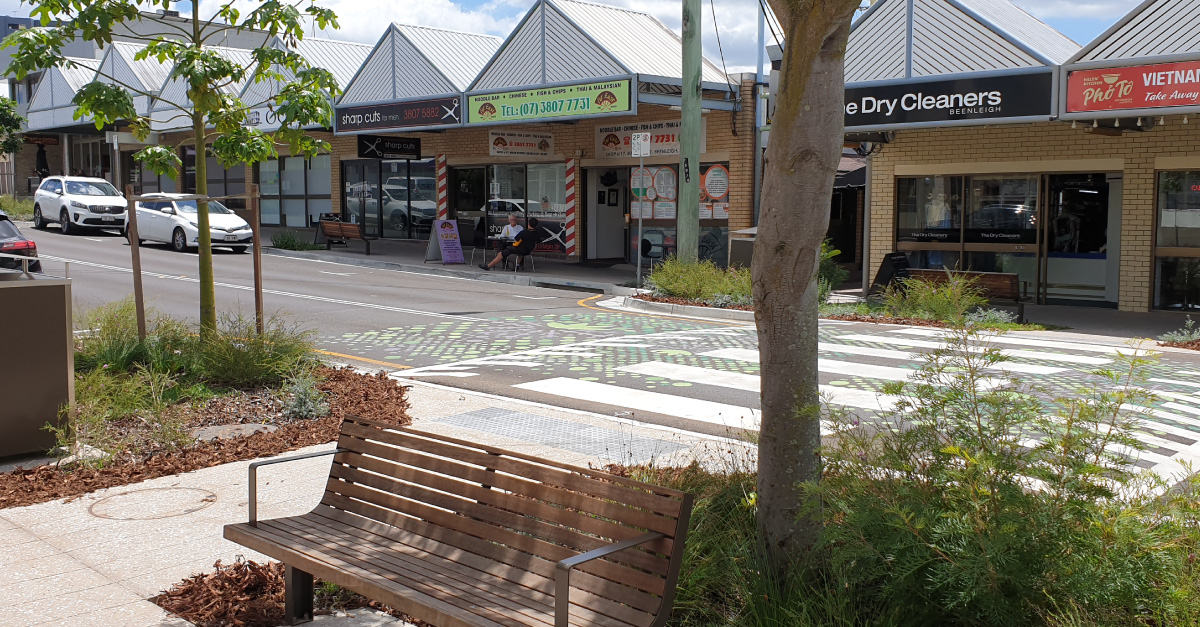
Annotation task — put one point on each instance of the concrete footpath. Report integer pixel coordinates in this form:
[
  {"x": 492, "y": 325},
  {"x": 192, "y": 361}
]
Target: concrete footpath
[{"x": 96, "y": 559}]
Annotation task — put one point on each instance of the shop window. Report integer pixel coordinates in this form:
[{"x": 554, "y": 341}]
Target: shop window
[
  {"x": 268, "y": 187},
  {"x": 1002, "y": 210},
  {"x": 1177, "y": 284},
  {"x": 468, "y": 189},
  {"x": 929, "y": 209},
  {"x": 1179, "y": 209},
  {"x": 934, "y": 259},
  {"x": 546, "y": 200},
  {"x": 295, "y": 191},
  {"x": 394, "y": 198}
]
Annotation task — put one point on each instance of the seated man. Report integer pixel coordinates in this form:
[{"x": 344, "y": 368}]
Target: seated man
[{"x": 526, "y": 241}]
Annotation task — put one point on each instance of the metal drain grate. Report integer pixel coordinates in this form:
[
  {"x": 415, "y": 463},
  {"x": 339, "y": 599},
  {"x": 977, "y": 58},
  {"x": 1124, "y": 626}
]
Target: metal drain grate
[{"x": 609, "y": 444}]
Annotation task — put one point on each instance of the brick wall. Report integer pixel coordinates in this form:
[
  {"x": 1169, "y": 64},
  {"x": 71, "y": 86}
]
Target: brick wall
[
  {"x": 25, "y": 165},
  {"x": 1046, "y": 147}
]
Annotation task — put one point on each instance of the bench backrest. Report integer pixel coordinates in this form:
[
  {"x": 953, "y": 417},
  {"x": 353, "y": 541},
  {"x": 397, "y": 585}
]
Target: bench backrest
[
  {"x": 993, "y": 284},
  {"x": 341, "y": 229},
  {"x": 524, "y": 512}
]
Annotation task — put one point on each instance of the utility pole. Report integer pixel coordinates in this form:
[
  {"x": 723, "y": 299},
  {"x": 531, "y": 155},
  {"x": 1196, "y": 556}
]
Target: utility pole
[{"x": 687, "y": 234}]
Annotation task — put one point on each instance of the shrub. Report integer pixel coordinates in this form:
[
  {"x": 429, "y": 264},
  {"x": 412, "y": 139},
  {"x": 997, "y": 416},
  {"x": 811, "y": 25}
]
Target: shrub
[
  {"x": 990, "y": 318},
  {"x": 17, "y": 208},
  {"x": 1189, "y": 333},
  {"x": 109, "y": 337},
  {"x": 291, "y": 240},
  {"x": 948, "y": 300},
  {"x": 305, "y": 401},
  {"x": 983, "y": 504},
  {"x": 830, "y": 272},
  {"x": 236, "y": 356},
  {"x": 701, "y": 281}
]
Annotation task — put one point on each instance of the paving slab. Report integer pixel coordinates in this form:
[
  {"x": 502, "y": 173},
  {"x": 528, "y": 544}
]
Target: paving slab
[{"x": 96, "y": 559}]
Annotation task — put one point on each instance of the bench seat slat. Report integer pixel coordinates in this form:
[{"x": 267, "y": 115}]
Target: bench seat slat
[
  {"x": 495, "y": 552},
  {"x": 376, "y": 490},
  {"x": 610, "y": 490},
  {"x": 447, "y": 574},
  {"x": 497, "y": 507},
  {"x": 560, "y": 501},
  {"x": 363, "y": 581},
  {"x": 537, "y": 587}
]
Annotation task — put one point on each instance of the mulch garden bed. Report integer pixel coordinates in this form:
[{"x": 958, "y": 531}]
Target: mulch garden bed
[
  {"x": 912, "y": 322},
  {"x": 1193, "y": 345},
  {"x": 249, "y": 594},
  {"x": 375, "y": 397},
  {"x": 675, "y": 300}
]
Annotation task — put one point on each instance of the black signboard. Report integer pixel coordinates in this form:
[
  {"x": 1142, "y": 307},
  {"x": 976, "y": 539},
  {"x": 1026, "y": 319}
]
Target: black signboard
[
  {"x": 894, "y": 266},
  {"x": 389, "y": 115},
  {"x": 381, "y": 147},
  {"x": 984, "y": 98}
]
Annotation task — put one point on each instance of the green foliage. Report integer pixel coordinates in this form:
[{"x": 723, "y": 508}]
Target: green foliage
[
  {"x": 236, "y": 356},
  {"x": 1189, "y": 333},
  {"x": 948, "y": 301},
  {"x": 291, "y": 240},
  {"x": 701, "y": 281},
  {"x": 830, "y": 273},
  {"x": 17, "y": 208},
  {"x": 979, "y": 502},
  {"x": 11, "y": 139},
  {"x": 304, "y": 399}
]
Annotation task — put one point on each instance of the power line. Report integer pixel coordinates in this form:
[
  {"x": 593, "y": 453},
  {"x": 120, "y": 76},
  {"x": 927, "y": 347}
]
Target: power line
[
  {"x": 725, "y": 70},
  {"x": 767, "y": 14}
]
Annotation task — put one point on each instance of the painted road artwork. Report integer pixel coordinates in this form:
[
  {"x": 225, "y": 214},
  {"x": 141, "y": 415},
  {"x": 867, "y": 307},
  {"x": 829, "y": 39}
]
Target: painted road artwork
[{"x": 709, "y": 374}]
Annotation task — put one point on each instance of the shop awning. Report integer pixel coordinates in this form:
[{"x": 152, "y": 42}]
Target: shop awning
[
  {"x": 1146, "y": 64},
  {"x": 413, "y": 79}
]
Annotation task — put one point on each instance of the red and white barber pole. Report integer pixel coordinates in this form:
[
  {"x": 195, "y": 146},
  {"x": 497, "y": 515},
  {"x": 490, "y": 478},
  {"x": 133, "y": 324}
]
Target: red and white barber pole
[
  {"x": 443, "y": 196},
  {"x": 571, "y": 250}
]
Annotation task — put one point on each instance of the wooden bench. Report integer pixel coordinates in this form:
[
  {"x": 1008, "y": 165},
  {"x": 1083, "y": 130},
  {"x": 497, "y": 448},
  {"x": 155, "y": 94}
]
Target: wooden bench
[
  {"x": 996, "y": 286},
  {"x": 344, "y": 231},
  {"x": 460, "y": 534}
]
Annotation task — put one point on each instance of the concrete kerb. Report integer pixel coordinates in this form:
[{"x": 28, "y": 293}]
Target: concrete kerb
[
  {"x": 510, "y": 278},
  {"x": 691, "y": 311}
]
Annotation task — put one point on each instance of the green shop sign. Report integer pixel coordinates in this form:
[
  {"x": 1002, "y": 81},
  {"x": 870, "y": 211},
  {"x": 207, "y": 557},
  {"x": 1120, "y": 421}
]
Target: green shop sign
[{"x": 550, "y": 102}]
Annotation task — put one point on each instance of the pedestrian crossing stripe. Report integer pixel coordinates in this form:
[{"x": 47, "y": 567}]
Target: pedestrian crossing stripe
[
  {"x": 1032, "y": 342},
  {"x": 1022, "y": 354}
]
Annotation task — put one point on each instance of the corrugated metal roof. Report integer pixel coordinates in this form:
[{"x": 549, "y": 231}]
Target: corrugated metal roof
[
  {"x": 1025, "y": 27},
  {"x": 519, "y": 61},
  {"x": 51, "y": 106},
  {"x": 1153, "y": 28},
  {"x": 876, "y": 50},
  {"x": 149, "y": 72},
  {"x": 459, "y": 56},
  {"x": 638, "y": 40},
  {"x": 81, "y": 74},
  {"x": 949, "y": 37},
  {"x": 342, "y": 58}
]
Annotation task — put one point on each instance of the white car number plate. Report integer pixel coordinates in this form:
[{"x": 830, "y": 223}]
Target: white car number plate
[
  {"x": 231, "y": 238},
  {"x": 106, "y": 218}
]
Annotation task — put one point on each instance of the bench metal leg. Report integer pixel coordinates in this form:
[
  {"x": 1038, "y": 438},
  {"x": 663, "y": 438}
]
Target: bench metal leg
[
  {"x": 297, "y": 595},
  {"x": 1020, "y": 313}
]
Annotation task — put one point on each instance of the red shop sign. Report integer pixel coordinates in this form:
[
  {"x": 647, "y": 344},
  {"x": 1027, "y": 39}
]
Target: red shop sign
[{"x": 1137, "y": 87}]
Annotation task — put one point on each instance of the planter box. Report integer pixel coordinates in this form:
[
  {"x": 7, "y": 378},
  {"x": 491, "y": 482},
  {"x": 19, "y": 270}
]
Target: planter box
[{"x": 37, "y": 375}]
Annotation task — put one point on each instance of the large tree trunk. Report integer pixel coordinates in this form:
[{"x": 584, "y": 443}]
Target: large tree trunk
[{"x": 801, "y": 163}]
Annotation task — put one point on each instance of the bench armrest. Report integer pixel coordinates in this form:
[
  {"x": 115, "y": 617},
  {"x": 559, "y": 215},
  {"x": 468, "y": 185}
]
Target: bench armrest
[
  {"x": 253, "y": 502},
  {"x": 562, "y": 573}
]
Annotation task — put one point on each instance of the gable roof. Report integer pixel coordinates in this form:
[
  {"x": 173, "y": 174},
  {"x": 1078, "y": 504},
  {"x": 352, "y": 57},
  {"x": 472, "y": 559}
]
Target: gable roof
[
  {"x": 415, "y": 61},
  {"x": 568, "y": 40},
  {"x": 1154, "y": 28},
  {"x": 949, "y": 37},
  {"x": 119, "y": 63},
  {"x": 59, "y": 84}
]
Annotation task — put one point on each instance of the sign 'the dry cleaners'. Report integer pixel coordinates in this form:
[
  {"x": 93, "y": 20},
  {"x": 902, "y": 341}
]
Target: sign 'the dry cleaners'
[{"x": 969, "y": 100}]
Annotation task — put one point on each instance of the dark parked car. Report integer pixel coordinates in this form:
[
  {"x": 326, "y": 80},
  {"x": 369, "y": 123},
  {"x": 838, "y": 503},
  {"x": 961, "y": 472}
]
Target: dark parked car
[{"x": 13, "y": 243}]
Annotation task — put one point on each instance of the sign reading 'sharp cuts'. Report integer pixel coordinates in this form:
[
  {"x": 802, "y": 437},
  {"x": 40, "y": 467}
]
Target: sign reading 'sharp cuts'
[
  {"x": 411, "y": 114},
  {"x": 550, "y": 102},
  {"x": 967, "y": 99}
]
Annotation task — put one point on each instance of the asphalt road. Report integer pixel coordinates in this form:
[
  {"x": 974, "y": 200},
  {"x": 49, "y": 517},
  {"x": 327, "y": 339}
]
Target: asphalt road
[{"x": 565, "y": 349}]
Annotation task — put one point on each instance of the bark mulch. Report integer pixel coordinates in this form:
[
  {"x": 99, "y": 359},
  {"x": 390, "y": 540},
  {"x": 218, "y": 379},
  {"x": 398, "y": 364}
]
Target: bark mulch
[
  {"x": 1193, "y": 345},
  {"x": 249, "y": 594},
  {"x": 675, "y": 300},
  {"x": 912, "y": 322},
  {"x": 375, "y": 397}
]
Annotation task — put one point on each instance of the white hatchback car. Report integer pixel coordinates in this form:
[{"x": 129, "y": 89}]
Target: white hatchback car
[
  {"x": 78, "y": 202},
  {"x": 165, "y": 218}
]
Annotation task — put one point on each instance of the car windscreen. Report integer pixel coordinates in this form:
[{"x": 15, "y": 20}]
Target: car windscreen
[
  {"x": 91, "y": 188},
  {"x": 189, "y": 206},
  {"x": 8, "y": 230}
]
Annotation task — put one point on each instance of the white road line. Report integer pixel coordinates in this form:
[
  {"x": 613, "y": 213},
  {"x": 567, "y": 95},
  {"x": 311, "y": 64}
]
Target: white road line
[
  {"x": 859, "y": 399},
  {"x": 1176, "y": 382},
  {"x": 730, "y": 416},
  {"x": 1190, "y": 373},
  {"x": 692, "y": 374},
  {"x": 904, "y": 341},
  {"x": 337, "y": 273},
  {"x": 534, "y": 297},
  {"x": 1023, "y": 341},
  {"x": 884, "y": 353},
  {"x": 323, "y": 299},
  {"x": 1146, "y": 412},
  {"x": 1181, "y": 407},
  {"x": 1179, "y": 397}
]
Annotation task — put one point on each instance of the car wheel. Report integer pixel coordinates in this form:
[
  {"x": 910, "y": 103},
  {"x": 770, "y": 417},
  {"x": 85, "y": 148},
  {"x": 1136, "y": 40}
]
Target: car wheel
[
  {"x": 38, "y": 221},
  {"x": 238, "y": 249},
  {"x": 126, "y": 234},
  {"x": 179, "y": 241},
  {"x": 64, "y": 222},
  {"x": 399, "y": 221}
]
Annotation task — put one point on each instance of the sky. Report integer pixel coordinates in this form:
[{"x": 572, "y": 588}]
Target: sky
[{"x": 736, "y": 20}]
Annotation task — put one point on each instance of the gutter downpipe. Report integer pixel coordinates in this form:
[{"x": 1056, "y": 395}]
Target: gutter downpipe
[{"x": 759, "y": 112}]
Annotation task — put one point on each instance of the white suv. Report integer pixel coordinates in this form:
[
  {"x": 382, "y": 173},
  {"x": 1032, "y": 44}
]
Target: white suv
[{"x": 76, "y": 202}]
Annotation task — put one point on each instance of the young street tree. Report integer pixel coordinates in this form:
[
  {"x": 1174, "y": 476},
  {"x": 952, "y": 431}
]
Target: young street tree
[
  {"x": 216, "y": 116},
  {"x": 11, "y": 122},
  {"x": 801, "y": 162}
]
